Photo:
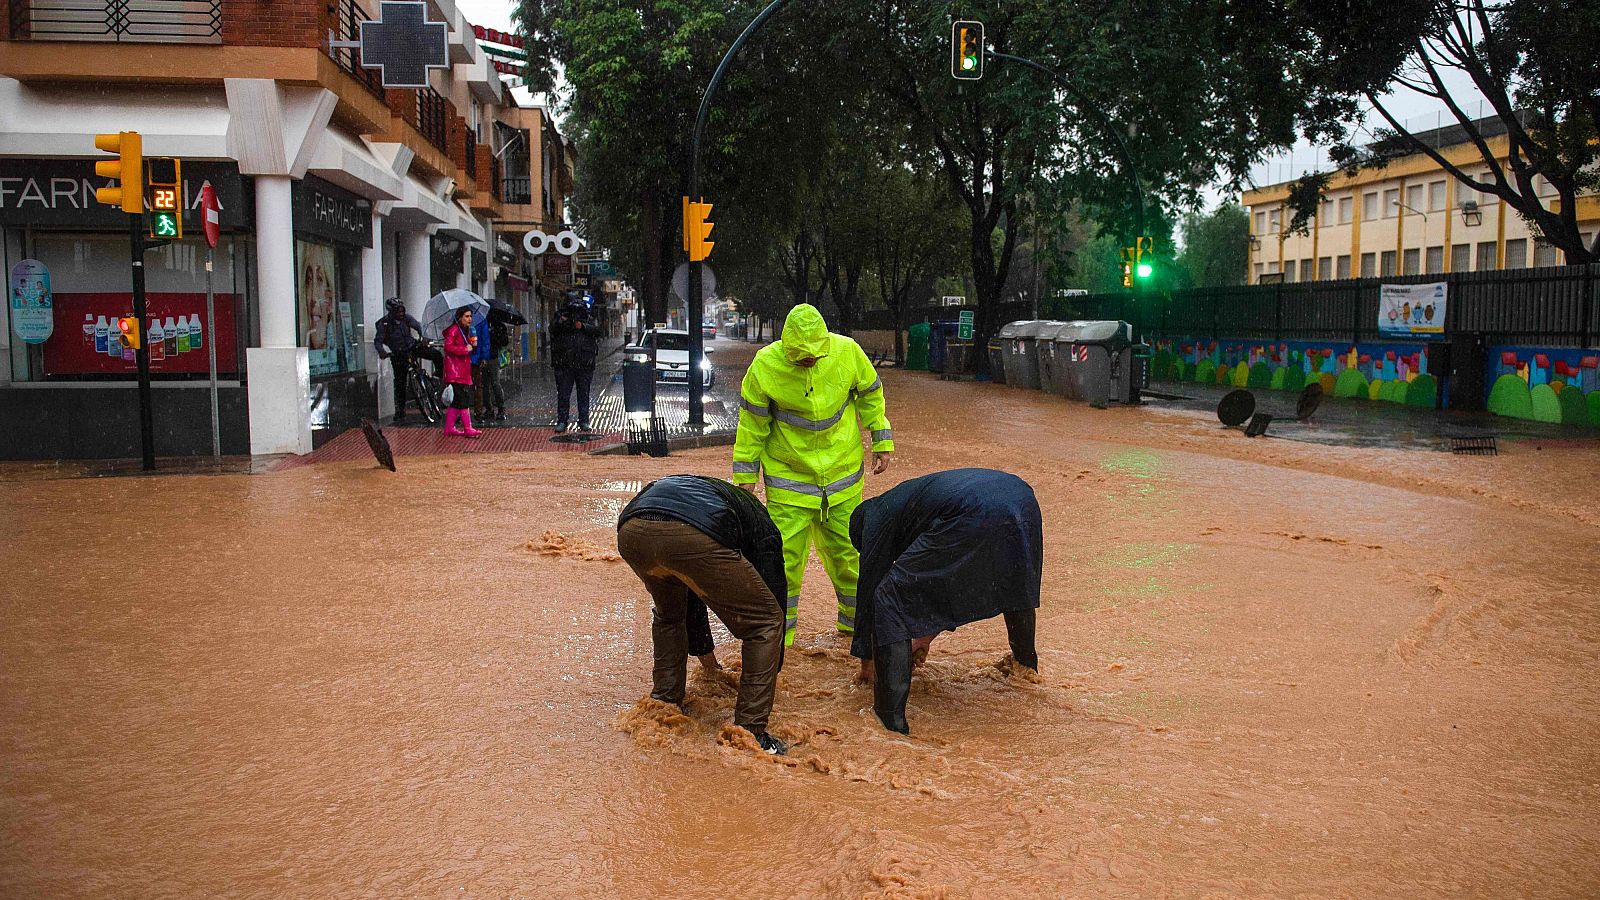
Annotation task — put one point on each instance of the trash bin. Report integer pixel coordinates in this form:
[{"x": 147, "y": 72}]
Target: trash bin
[
  {"x": 917, "y": 347},
  {"x": 1100, "y": 363},
  {"x": 1022, "y": 354},
  {"x": 1010, "y": 358},
  {"x": 1051, "y": 369},
  {"x": 956, "y": 352},
  {"x": 997, "y": 360},
  {"x": 940, "y": 335},
  {"x": 644, "y": 431}
]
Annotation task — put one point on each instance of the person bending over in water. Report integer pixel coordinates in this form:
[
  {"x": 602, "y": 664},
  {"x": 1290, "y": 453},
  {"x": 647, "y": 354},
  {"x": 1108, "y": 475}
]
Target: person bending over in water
[
  {"x": 692, "y": 539},
  {"x": 938, "y": 552}
]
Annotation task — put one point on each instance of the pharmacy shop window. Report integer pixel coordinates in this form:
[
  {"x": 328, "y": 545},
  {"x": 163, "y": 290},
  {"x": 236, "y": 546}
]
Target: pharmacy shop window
[
  {"x": 328, "y": 312},
  {"x": 80, "y": 285}
]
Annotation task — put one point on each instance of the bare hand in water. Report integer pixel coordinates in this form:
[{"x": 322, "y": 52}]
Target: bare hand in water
[{"x": 865, "y": 675}]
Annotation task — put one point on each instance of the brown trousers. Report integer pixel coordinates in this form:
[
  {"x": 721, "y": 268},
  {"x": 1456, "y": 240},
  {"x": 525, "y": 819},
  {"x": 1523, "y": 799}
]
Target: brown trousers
[{"x": 674, "y": 558}]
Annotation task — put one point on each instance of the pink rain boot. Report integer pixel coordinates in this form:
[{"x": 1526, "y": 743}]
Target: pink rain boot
[
  {"x": 452, "y": 417},
  {"x": 466, "y": 424}
]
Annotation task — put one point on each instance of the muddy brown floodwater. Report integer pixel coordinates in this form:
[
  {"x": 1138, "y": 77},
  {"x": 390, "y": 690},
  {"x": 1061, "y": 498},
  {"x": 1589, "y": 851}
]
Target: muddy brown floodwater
[{"x": 1268, "y": 669}]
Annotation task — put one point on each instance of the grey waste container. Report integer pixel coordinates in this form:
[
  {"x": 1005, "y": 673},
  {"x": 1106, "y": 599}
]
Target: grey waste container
[
  {"x": 1051, "y": 370},
  {"x": 1100, "y": 363},
  {"x": 1021, "y": 353}
]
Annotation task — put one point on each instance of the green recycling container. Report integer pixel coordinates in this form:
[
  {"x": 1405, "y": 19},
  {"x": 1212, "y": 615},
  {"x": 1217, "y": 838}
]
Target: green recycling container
[{"x": 917, "y": 347}]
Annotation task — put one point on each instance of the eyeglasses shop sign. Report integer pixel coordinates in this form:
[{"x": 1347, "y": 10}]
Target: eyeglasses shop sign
[{"x": 326, "y": 211}]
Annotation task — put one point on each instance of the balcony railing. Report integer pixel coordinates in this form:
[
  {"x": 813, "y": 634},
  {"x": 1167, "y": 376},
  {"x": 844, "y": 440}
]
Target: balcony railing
[
  {"x": 517, "y": 190},
  {"x": 496, "y": 181},
  {"x": 472, "y": 156},
  {"x": 351, "y": 15},
  {"x": 433, "y": 118},
  {"x": 140, "y": 21}
]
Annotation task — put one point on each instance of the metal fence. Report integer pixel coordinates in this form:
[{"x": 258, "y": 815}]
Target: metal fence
[
  {"x": 1557, "y": 306},
  {"x": 143, "y": 21},
  {"x": 351, "y": 15},
  {"x": 433, "y": 118}
]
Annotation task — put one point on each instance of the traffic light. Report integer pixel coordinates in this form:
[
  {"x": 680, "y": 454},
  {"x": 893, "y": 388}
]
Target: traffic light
[
  {"x": 966, "y": 50},
  {"x": 127, "y": 170},
  {"x": 129, "y": 326},
  {"x": 164, "y": 175},
  {"x": 1127, "y": 266},
  {"x": 696, "y": 229},
  {"x": 1144, "y": 257}
]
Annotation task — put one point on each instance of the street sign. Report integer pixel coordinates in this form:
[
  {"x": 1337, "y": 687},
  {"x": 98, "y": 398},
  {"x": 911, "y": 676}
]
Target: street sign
[
  {"x": 602, "y": 268},
  {"x": 403, "y": 45},
  {"x": 964, "y": 325},
  {"x": 210, "y": 214},
  {"x": 566, "y": 242},
  {"x": 680, "y": 282}
]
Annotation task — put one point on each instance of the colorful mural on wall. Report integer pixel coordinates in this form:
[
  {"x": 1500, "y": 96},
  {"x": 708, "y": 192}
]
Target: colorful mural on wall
[{"x": 1543, "y": 384}]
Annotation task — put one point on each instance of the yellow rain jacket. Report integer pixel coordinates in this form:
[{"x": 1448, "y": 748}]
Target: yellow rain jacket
[{"x": 800, "y": 426}]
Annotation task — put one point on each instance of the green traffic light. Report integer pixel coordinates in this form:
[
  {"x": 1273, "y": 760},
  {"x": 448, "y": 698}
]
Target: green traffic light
[
  {"x": 1145, "y": 270},
  {"x": 969, "y": 63}
]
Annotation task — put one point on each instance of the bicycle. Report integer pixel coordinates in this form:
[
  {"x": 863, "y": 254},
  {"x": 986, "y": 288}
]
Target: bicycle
[{"x": 424, "y": 388}]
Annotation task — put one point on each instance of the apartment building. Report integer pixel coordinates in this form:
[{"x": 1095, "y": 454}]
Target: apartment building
[
  {"x": 335, "y": 194},
  {"x": 1407, "y": 218}
]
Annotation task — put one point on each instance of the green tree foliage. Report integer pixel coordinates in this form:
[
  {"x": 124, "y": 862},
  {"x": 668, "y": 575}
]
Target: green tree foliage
[
  {"x": 1534, "y": 61},
  {"x": 1216, "y": 247}
]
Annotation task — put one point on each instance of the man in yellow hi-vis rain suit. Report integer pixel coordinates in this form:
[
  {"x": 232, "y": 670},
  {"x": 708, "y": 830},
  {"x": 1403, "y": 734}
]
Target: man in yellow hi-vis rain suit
[{"x": 802, "y": 406}]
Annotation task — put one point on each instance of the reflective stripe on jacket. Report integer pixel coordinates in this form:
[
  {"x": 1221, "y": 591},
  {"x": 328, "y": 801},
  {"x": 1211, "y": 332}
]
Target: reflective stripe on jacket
[{"x": 799, "y": 427}]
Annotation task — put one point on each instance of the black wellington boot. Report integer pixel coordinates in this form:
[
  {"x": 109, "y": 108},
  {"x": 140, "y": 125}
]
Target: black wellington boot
[
  {"x": 891, "y": 685},
  {"x": 1019, "y": 631}
]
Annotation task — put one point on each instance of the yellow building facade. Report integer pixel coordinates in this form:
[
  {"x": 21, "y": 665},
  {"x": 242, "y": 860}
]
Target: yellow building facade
[{"x": 1410, "y": 217}]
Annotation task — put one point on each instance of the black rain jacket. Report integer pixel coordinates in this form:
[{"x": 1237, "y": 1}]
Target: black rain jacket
[{"x": 726, "y": 514}]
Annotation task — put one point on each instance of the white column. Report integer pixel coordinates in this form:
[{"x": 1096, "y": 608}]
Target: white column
[
  {"x": 415, "y": 264},
  {"x": 372, "y": 297},
  {"x": 279, "y": 372},
  {"x": 488, "y": 280},
  {"x": 391, "y": 262},
  {"x": 464, "y": 280}
]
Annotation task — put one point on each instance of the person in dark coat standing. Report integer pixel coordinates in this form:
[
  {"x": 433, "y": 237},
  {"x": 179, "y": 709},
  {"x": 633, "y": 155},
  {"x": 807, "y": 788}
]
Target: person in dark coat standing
[
  {"x": 938, "y": 552},
  {"x": 574, "y": 349},
  {"x": 695, "y": 540}
]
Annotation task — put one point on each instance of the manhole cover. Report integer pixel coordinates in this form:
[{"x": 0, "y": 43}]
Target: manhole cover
[{"x": 1236, "y": 408}]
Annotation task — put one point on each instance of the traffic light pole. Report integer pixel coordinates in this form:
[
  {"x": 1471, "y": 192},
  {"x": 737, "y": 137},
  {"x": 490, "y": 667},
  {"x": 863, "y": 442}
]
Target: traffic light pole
[
  {"x": 696, "y": 303},
  {"x": 147, "y": 430}
]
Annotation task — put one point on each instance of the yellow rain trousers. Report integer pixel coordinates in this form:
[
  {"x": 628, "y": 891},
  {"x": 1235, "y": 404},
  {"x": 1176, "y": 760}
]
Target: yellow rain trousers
[{"x": 800, "y": 434}]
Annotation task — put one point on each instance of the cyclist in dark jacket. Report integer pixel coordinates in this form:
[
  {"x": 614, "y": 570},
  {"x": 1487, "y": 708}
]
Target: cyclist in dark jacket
[
  {"x": 393, "y": 341},
  {"x": 690, "y": 530},
  {"x": 574, "y": 349}
]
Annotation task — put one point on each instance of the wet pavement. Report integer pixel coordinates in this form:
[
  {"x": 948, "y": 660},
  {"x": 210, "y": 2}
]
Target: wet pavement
[
  {"x": 1268, "y": 668},
  {"x": 1364, "y": 423}
]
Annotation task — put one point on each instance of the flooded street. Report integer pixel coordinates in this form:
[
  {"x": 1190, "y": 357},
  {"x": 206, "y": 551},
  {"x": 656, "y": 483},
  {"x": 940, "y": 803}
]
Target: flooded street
[{"x": 1267, "y": 669}]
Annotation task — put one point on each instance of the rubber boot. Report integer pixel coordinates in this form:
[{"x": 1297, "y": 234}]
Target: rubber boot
[
  {"x": 451, "y": 415},
  {"x": 1019, "y": 631},
  {"x": 891, "y": 685},
  {"x": 466, "y": 424}
]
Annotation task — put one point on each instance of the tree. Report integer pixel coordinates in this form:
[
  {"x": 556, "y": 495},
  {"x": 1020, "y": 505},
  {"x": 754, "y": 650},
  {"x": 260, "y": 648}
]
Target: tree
[
  {"x": 917, "y": 235},
  {"x": 1536, "y": 65},
  {"x": 1216, "y": 247}
]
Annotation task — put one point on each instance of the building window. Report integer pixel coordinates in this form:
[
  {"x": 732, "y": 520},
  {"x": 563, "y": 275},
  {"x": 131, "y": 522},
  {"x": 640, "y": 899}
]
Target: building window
[
  {"x": 1272, "y": 268},
  {"x": 329, "y": 308},
  {"x": 1275, "y": 220},
  {"x": 1306, "y": 272},
  {"x": 1544, "y": 254},
  {"x": 1435, "y": 195},
  {"x": 1369, "y": 265},
  {"x": 1261, "y": 222},
  {"x": 1414, "y": 197},
  {"x": 1325, "y": 267},
  {"x": 1488, "y": 256},
  {"x": 1388, "y": 263},
  {"x": 1461, "y": 258},
  {"x": 1347, "y": 209},
  {"x": 1344, "y": 266},
  {"x": 1391, "y": 203},
  {"x": 1259, "y": 269},
  {"x": 1413, "y": 262},
  {"x": 1325, "y": 214},
  {"x": 1369, "y": 206},
  {"x": 1516, "y": 254},
  {"x": 1435, "y": 261},
  {"x": 1289, "y": 270}
]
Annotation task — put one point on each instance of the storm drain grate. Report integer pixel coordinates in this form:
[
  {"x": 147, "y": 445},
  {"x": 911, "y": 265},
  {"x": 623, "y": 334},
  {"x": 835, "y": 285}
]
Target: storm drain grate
[{"x": 1482, "y": 445}]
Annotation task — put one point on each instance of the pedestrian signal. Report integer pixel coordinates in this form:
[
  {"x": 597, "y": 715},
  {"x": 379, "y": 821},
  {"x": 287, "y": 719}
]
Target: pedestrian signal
[
  {"x": 164, "y": 176},
  {"x": 126, "y": 170},
  {"x": 696, "y": 229},
  {"x": 966, "y": 50},
  {"x": 1127, "y": 266},
  {"x": 129, "y": 325}
]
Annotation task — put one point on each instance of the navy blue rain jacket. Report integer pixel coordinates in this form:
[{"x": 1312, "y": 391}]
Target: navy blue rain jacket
[{"x": 943, "y": 550}]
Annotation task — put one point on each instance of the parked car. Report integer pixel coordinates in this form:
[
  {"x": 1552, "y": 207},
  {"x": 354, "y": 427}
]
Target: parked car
[
  {"x": 671, "y": 347},
  {"x": 708, "y": 330}
]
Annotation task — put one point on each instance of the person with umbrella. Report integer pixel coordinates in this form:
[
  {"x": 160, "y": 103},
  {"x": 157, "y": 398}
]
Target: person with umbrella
[
  {"x": 502, "y": 318},
  {"x": 460, "y": 341}
]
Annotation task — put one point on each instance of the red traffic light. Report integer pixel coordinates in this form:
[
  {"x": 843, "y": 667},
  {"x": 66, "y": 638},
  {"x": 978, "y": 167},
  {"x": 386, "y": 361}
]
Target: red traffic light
[{"x": 129, "y": 326}]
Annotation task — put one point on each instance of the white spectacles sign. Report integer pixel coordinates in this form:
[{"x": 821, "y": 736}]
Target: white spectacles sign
[{"x": 566, "y": 243}]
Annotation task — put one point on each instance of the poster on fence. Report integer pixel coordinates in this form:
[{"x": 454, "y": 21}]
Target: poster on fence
[{"x": 1411, "y": 310}]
